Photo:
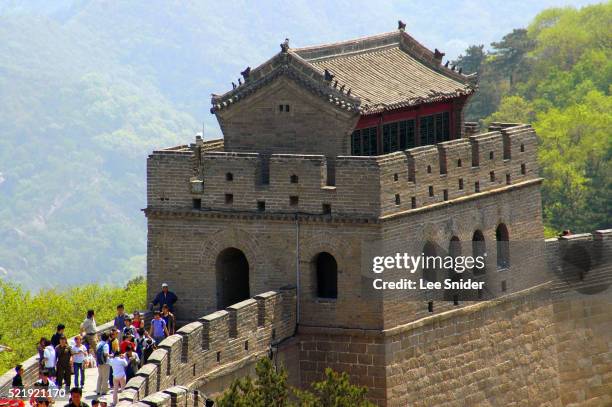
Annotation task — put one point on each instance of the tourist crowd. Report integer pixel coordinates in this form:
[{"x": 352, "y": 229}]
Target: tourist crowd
[{"x": 117, "y": 355}]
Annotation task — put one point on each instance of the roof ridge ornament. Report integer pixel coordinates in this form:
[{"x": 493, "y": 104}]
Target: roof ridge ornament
[
  {"x": 245, "y": 74},
  {"x": 285, "y": 46},
  {"x": 401, "y": 25},
  {"x": 328, "y": 75},
  {"x": 438, "y": 55}
]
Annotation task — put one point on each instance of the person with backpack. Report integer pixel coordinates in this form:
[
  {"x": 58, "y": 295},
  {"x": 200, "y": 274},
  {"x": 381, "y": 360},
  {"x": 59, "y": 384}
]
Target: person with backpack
[
  {"x": 133, "y": 363},
  {"x": 102, "y": 354},
  {"x": 158, "y": 330}
]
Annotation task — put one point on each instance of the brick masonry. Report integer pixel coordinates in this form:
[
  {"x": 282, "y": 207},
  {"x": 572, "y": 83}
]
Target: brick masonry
[
  {"x": 280, "y": 189},
  {"x": 549, "y": 345}
]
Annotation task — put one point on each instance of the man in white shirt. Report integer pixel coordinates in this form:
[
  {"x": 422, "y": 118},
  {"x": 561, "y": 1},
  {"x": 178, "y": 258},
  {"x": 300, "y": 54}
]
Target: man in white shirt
[
  {"x": 79, "y": 352},
  {"x": 49, "y": 358},
  {"x": 89, "y": 329},
  {"x": 118, "y": 364}
]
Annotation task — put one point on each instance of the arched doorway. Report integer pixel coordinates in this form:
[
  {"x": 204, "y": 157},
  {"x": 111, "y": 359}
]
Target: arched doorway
[
  {"x": 431, "y": 262},
  {"x": 327, "y": 275},
  {"x": 232, "y": 277},
  {"x": 454, "y": 273},
  {"x": 503, "y": 246},
  {"x": 479, "y": 249}
]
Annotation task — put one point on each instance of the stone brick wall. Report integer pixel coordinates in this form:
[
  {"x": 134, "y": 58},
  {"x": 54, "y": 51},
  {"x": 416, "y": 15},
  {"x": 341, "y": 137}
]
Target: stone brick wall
[
  {"x": 360, "y": 353},
  {"x": 519, "y": 209},
  {"x": 396, "y": 182},
  {"x": 216, "y": 344},
  {"x": 423, "y": 174},
  {"x": 497, "y": 353},
  {"x": 311, "y": 126},
  {"x": 183, "y": 250},
  {"x": 582, "y": 302}
]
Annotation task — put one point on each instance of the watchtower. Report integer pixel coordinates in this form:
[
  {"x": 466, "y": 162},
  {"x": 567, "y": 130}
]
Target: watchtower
[{"x": 331, "y": 155}]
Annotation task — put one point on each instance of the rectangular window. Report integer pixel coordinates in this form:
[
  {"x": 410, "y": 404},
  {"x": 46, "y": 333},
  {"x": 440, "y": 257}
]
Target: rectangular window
[
  {"x": 445, "y": 193},
  {"x": 363, "y": 142},
  {"x": 426, "y": 127},
  {"x": 229, "y": 199},
  {"x": 261, "y": 206},
  {"x": 398, "y": 136},
  {"x": 387, "y": 137},
  {"x": 293, "y": 200},
  {"x": 406, "y": 134},
  {"x": 390, "y": 137},
  {"x": 446, "y": 125},
  {"x": 439, "y": 128},
  {"x": 413, "y": 202},
  {"x": 326, "y": 209},
  {"x": 460, "y": 183},
  {"x": 197, "y": 203},
  {"x": 434, "y": 128}
]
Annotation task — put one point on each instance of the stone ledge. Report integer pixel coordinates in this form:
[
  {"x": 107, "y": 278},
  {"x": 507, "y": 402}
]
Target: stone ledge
[{"x": 462, "y": 199}]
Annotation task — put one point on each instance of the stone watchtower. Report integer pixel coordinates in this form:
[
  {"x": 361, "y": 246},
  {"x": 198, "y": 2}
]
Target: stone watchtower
[{"x": 331, "y": 155}]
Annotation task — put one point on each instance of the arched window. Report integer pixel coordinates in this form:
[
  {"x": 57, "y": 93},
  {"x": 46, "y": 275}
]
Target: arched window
[
  {"x": 232, "y": 277},
  {"x": 454, "y": 248},
  {"x": 503, "y": 246},
  {"x": 327, "y": 275},
  {"x": 479, "y": 249},
  {"x": 431, "y": 262},
  {"x": 455, "y": 273}
]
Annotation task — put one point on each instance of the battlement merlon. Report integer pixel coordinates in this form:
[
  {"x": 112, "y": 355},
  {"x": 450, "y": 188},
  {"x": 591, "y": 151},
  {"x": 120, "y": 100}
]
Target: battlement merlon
[
  {"x": 197, "y": 177},
  {"x": 222, "y": 340}
]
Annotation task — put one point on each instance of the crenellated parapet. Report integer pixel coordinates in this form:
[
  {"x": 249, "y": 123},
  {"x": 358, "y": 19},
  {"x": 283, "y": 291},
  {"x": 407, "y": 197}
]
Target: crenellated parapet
[
  {"x": 201, "y": 179},
  {"x": 216, "y": 343}
]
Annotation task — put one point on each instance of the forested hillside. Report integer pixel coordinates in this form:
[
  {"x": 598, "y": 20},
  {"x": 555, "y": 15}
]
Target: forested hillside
[
  {"x": 33, "y": 316},
  {"x": 557, "y": 75}
]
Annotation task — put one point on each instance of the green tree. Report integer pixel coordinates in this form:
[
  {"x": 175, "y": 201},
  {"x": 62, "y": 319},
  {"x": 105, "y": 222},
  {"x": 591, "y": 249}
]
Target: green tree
[
  {"x": 270, "y": 389},
  {"x": 27, "y": 316},
  {"x": 509, "y": 54},
  {"x": 513, "y": 109},
  {"x": 556, "y": 74},
  {"x": 337, "y": 391},
  {"x": 472, "y": 60},
  {"x": 575, "y": 152}
]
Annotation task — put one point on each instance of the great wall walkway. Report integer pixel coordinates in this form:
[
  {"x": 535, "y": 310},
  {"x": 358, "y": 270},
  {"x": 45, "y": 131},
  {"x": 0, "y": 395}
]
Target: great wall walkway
[{"x": 209, "y": 350}]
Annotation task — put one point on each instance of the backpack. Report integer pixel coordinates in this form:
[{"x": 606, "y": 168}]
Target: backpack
[{"x": 100, "y": 356}]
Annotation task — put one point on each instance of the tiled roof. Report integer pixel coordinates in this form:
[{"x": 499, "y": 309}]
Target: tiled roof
[{"x": 383, "y": 72}]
